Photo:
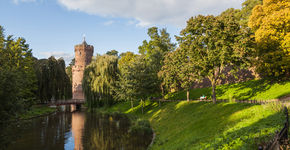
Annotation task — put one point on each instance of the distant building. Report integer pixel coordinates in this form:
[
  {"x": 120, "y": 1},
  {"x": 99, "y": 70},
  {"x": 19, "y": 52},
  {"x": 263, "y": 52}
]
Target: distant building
[{"x": 83, "y": 57}]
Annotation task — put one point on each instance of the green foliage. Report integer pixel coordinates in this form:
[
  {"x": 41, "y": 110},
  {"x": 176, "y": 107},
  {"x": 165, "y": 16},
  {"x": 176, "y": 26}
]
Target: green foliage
[
  {"x": 112, "y": 52},
  {"x": 68, "y": 69},
  {"x": 100, "y": 78},
  {"x": 183, "y": 125},
  {"x": 125, "y": 60},
  {"x": 136, "y": 81},
  {"x": 214, "y": 43},
  {"x": 141, "y": 127},
  {"x": 179, "y": 70},
  {"x": 250, "y": 90},
  {"x": 138, "y": 73},
  {"x": 271, "y": 23},
  {"x": 36, "y": 111},
  {"x": 170, "y": 70},
  {"x": 17, "y": 76},
  {"x": 53, "y": 82},
  {"x": 246, "y": 11},
  {"x": 154, "y": 52}
]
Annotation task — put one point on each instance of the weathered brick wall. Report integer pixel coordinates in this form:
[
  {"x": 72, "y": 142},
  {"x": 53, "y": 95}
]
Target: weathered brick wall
[
  {"x": 83, "y": 57},
  {"x": 241, "y": 76}
]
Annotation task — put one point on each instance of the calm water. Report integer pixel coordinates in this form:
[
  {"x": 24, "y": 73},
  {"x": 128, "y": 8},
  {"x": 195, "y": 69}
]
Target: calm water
[{"x": 77, "y": 131}]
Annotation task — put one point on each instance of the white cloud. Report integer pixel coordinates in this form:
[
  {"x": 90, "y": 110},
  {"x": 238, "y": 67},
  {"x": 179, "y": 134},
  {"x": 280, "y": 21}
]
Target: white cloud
[
  {"x": 19, "y": 1},
  {"x": 58, "y": 54},
  {"x": 151, "y": 12}
]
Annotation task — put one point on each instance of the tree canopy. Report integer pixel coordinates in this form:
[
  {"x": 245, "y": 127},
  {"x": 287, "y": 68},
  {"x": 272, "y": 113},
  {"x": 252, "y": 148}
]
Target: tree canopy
[
  {"x": 271, "y": 24},
  {"x": 17, "y": 76},
  {"x": 154, "y": 51},
  {"x": 213, "y": 44}
]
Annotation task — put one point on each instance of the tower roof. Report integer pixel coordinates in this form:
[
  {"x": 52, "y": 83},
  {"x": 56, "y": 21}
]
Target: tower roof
[{"x": 84, "y": 42}]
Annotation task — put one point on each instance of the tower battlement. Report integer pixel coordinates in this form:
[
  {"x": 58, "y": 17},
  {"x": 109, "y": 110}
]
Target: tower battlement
[{"x": 83, "y": 57}]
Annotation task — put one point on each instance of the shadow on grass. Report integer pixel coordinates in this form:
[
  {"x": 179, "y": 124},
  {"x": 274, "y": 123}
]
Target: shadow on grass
[
  {"x": 247, "y": 90},
  {"x": 254, "y": 89},
  {"x": 182, "y": 125},
  {"x": 249, "y": 137},
  {"x": 203, "y": 125}
]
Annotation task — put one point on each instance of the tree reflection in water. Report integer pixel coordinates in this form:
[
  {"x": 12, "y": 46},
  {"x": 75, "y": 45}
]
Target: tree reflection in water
[
  {"x": 111, "y": 132},
  {"x": 77, "y": 130}
]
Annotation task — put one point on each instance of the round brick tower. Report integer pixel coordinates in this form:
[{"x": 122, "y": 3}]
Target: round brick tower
[{"x": 83, "y": 57}]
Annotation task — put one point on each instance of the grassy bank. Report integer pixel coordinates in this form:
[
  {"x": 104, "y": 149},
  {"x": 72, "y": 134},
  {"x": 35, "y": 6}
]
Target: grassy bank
[
  {"x": 250, "y": 90},
  {"x": 201, "y": 125},
  {"x": 37, "y": 110}
]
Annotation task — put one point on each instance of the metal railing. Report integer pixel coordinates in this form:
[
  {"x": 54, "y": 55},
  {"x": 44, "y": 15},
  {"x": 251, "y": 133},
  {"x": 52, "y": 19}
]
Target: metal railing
[{"x": 280, "y": 141}]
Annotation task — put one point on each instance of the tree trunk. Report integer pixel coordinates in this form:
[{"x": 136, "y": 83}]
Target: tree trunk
[
  {"x": 187, "y": 95},
  {"x": 162, "y": 91},
  {"x": 213, "y": 92},
  {"x": 132, "y": 104},
  {"x": 142, "y": 105}
]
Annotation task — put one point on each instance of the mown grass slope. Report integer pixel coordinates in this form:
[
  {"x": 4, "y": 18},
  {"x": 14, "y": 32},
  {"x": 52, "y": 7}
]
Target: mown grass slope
[
  {"x": 201, "y": 125},
  {"x": 250, "y": 90}
]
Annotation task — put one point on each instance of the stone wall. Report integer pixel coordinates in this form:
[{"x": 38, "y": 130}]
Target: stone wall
[
  {"x": 83, "y": 57},
  {"x": 241, "y": 76}
]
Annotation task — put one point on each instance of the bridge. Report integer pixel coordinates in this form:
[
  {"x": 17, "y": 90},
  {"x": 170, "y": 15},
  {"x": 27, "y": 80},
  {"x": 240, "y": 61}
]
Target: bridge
[{"x": 66, "y": 102}]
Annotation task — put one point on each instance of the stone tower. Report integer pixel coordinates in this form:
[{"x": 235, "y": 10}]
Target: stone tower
[{"x": 83, "y": 57}]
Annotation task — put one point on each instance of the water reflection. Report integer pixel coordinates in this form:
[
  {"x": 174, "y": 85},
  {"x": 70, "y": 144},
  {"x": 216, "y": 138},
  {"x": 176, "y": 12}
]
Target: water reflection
[
  {"x": 78, "y": 121},
  {"x": 78, "y": 131}
]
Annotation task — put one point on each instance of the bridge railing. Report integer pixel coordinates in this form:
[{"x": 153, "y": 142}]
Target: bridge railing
[{"x": 66, "y": 102}]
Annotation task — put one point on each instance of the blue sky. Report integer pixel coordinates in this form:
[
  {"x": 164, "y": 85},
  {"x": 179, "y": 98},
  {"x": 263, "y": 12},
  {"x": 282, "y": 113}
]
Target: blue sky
[{"x": 53, "y": 27}]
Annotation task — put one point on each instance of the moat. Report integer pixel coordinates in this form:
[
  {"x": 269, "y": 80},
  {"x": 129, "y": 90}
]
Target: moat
[{"x": 77, "y": 130}]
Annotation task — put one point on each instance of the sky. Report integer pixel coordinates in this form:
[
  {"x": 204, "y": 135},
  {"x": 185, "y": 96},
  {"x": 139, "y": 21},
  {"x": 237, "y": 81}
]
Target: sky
[{"x": 53, "y": 27}]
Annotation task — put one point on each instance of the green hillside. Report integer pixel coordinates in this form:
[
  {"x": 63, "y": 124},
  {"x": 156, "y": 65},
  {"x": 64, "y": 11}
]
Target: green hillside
[
  {"x": 201, "y": 125},
  {"x": 250, "y": 90}
]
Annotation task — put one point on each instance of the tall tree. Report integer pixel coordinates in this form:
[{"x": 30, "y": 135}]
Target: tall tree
[
  {"x": 213, "y": 44},
  {"x": 123, "y": 87},
  {"x": 271, "y": 23},
  {"x": 169, "y": 71},
  {"x": 179, "y": 70},
  {"x": 17, "y": 77},
  {"x": 154, "y": 51},
  {"x": 136, "y": 81}
]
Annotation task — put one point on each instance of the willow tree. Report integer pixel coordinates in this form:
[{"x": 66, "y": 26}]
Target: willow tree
[
  {"x": 99, "y": 80},
  {"x": 53, "y": 82}
]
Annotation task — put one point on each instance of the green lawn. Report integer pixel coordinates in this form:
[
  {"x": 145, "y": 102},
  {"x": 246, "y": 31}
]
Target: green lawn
[
  {"x": 37, "y": 111},
  {"x": 201, "y": 125},
  {"x": 250, "y": 90}
]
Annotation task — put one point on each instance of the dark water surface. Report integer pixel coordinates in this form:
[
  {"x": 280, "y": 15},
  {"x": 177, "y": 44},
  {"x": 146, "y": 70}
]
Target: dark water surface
[{"x": 78, "y": 130}]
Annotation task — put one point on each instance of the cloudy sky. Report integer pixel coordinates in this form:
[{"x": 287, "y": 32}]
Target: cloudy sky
[{"x": 53, "y": 27}]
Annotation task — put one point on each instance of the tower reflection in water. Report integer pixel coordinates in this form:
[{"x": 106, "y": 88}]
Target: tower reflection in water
[
  {"x": 78, "y": 130},
  {"x": 77, "y": 127}
]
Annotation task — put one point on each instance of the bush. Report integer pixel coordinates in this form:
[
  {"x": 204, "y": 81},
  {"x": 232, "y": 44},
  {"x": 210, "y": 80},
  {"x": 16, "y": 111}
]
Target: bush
[{"x": 141, "y": 127}]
